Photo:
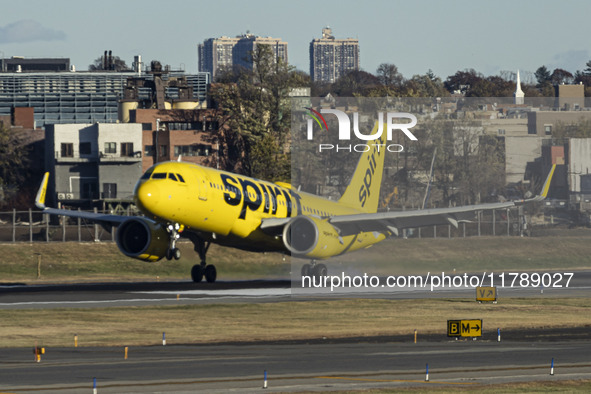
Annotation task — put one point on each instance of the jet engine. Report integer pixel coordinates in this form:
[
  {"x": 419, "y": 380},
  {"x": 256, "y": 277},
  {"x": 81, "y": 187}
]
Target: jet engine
[
  {"x": 312, "y": 237},
  {"x": 142, "y": 239}
]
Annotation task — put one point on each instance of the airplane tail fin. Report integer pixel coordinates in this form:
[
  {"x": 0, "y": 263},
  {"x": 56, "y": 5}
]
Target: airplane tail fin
[
  {"x": 546, "y": 187},
  {"x": 363, "y": 192},
  {"x": 42, "y": 192}
]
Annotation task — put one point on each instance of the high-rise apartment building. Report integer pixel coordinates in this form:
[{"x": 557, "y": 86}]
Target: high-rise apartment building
[
  {"x": 330, "y": 58},
  {"x": 218, "y": 53}
]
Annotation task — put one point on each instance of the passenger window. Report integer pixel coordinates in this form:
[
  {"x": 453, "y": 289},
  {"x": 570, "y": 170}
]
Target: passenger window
[
  {"x": 159, "y": 175},
  {"x": 171, "y": 176}
]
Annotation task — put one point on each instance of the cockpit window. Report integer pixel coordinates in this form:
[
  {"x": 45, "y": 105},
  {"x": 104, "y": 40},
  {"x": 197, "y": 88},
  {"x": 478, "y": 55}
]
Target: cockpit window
[
  {"x": 147, "y": 174},
  {"x": 159, "y": 175},
  {"x": 172, "y": 176},
  {"x": 180, "y": 178}
]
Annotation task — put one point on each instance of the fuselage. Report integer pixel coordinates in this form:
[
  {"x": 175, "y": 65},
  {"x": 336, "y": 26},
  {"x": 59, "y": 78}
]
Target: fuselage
[{"x": 227, "y": 208}]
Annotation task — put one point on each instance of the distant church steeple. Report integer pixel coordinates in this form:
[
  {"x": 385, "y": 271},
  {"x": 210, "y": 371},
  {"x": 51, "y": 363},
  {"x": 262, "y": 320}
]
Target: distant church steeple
[{"x": 518, "y": 94}]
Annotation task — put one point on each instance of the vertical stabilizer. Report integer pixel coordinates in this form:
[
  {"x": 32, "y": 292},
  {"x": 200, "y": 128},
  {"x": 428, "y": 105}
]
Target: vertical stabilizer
[{"x": 363, "y": 192}]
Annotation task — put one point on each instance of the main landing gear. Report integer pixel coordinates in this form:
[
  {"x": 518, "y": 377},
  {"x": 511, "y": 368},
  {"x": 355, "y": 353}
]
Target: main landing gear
[
  {"x": 313, "y": 269},
  {"x": 202, "y": 270}
]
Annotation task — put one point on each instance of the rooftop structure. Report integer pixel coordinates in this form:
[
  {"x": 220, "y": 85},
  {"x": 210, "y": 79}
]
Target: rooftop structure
[{"x": 330, "y": 58}]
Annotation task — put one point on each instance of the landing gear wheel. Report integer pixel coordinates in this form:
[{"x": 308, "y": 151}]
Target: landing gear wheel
[
  {"x": 197, "y": 273},
  {"x": 173, "y": 253},
  {"x": 210, "y": 273},
  {"x": 320, "y": 270},
  {"x": 306, "y": 270}
]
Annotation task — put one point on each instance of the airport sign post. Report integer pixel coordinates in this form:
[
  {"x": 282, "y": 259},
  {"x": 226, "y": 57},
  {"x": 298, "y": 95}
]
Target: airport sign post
[
  {"x": 486, "y": 294},
  {"x": 464, "y": 328}
]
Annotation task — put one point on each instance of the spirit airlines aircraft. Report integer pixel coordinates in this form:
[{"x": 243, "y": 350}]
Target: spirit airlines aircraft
[{"x": 207, "y": 205}]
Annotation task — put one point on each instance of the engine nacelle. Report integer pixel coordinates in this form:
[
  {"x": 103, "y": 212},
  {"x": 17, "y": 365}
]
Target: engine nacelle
[
  {"x": 307, "y": 236},
  {"x": 142, "y": 239}
]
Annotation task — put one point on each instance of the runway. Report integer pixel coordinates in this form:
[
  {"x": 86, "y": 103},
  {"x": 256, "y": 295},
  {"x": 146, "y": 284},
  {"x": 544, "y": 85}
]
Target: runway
[
  {"x": 21, "y": 296},
  {"x": 291, "y": 367},
  {"x": 315, "y": 365}
]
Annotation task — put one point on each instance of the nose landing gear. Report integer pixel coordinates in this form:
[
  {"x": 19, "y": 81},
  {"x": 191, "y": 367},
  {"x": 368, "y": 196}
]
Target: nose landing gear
[{"x": 173, "y": 252}]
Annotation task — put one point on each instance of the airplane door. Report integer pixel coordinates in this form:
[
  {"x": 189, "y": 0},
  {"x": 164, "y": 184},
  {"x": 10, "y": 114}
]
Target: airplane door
[{"x": 203, "y": 187}]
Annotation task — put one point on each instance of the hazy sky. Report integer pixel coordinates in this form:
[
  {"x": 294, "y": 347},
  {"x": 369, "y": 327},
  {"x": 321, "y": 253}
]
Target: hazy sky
[{"x": 444, "y": 36}]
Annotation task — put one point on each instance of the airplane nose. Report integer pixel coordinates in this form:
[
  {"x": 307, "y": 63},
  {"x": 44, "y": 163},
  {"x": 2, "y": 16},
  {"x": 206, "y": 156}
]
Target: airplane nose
[{"x": 148, "y": 196}]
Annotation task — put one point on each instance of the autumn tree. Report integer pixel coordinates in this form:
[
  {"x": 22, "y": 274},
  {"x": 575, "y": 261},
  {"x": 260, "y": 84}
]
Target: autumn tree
[
  {"x": 462, "y": 81},
  {"x": 12, "y": 164},
  {"x": 257, "y": 112}
]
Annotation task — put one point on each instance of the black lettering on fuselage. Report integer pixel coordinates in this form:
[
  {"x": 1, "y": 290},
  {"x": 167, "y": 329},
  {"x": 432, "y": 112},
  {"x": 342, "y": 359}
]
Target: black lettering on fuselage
[
  {"x": 253, "y": 194},
  {"x": 273, "y": 193},
  {"x": 251, "y": 201},
  {"x": 232, "y": 196}
]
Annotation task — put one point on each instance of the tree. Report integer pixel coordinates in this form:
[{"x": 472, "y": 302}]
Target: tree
[
  {"x": 462, "y": 81},
  {"x": 12, "y": 164},
  {"x": 491, "y": 86},
  {"x": 389, "y": 76},
  {"x": 542, "y": 75},
  {"x": 560, "y": 76},
  {"x": 427, "y": 85},
  {"x": 544, "y": 79},
  {"x": 102, "y": 64},
  {"x": 258, "y": 114},
  {"x": 355, "y": 82}
]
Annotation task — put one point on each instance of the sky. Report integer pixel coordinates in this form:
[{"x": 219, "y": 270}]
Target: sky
[{"x": 444, "y": 36}]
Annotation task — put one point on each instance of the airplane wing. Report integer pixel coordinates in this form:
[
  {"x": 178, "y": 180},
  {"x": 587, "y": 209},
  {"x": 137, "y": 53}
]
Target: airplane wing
[
  {"x": 394, "y": 221},
  {"x": 103, "y": 219}
]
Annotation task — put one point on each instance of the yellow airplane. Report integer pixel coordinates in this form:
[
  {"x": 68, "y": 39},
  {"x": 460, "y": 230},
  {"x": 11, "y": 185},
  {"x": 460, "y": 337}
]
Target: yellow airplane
[{"x": 207, "y": 205}]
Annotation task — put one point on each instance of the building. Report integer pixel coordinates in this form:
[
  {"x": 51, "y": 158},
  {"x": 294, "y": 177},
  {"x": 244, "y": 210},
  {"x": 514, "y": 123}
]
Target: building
[
  {"x": 195, "y": 135},
  {"x": 93, "y": 164},
  {"x": 63, "y": 96},
  {"x": 544, "y": 123},
  {"x": 20, "y": 64},
  {"x": 226, "y": 52},
  {"x": 330, "y": 58}
]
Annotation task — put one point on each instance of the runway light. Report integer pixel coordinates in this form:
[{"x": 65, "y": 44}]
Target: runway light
[
  {"x": 265, "y": 380},
  {"x": 126, "y": 350},
  {"x": 94, "y": 390},
  {"x": 415, "y": 336},
  {"x": 163, "y": 339},
  {"x": 498, "y": 335},
  {"x": 75, "y": 340},
  {"x": 427, "y": 373},
  {"x": 552, "y": 367}
]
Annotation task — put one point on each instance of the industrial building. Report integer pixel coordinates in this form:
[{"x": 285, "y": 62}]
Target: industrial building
[
  {"x": 64, "y": 96},
  {"x": 331, "y": 58}
]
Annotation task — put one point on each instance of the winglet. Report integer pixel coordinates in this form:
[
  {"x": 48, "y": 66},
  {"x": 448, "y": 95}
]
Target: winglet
[
  {"x": 546, "y": 186},
  {"x": 40, "y": 199},
  {"x": 544, "y": 192}
]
